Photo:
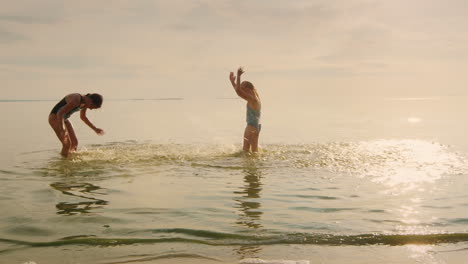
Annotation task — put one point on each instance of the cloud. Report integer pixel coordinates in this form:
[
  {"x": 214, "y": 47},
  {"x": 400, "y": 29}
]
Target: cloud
[
  {"x": 60, "y": 62},
  {"x": 7, "y": 37},
  {"x": 187, "y": 41},
  {"x": 27, "y": 19}
]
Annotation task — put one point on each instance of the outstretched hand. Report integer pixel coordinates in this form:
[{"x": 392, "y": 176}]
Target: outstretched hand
[
  {"x": 232, "y": 77},
  {"x": 240, "y": 71},
  {"x": 99, "y": 131}
]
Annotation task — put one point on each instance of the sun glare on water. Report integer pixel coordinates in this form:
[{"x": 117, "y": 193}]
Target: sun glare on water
[{"x": 409, "y": 163}]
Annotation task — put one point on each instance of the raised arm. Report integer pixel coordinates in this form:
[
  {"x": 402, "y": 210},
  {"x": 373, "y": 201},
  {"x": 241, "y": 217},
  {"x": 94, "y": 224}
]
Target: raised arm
[
  {"x": 236, "y": 83},
  {"x": 240, "y": 71},
  {"x": 232, "y": 78},
  {"x": 87, "y": 122}
]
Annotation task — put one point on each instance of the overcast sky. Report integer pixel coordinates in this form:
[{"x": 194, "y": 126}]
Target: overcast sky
[{"x": 175, "y": 48}]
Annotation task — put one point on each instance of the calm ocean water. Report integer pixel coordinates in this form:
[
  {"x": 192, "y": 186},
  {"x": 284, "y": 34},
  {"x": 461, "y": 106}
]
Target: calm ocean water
[{"x": 354, "y": 180}]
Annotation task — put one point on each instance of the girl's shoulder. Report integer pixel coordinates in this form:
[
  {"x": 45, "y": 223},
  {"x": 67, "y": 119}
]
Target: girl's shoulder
[{"x": 73, "y": 98}]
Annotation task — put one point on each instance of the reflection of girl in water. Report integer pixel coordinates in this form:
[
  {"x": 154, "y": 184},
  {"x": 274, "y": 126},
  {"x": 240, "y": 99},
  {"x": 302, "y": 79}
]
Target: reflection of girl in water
[
  {"x": 248, "y": 203},
  {"x": 249, "y": 200},
  {"x": 58, "y": 118},
  {"x": 82, "y": 190},
  {"x": 246, "y": 90}
]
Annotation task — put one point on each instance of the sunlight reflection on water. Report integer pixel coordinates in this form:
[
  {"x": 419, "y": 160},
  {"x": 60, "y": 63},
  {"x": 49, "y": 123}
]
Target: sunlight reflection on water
[
  {"x": 408, "y": 163},
  {"x": 423, "y": 254}
]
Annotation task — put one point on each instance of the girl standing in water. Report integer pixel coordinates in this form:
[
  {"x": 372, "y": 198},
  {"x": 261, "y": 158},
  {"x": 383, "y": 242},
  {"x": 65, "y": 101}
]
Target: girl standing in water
[
  {"x": 58, "y": 118},
  {"x": 246, "y": 90}
]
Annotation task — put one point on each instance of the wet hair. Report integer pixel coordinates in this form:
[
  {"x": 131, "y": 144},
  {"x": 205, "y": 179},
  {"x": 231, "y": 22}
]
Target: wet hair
[
  {"x": 96, "y": 99},
  {"x": 248, "y": 85}
]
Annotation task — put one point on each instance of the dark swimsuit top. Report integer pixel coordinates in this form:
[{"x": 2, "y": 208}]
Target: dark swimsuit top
[{"x": 62, "y": 103}]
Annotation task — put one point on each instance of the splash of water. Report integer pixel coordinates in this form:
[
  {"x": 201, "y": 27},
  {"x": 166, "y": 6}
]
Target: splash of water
[{"x": 390, "y": 162}]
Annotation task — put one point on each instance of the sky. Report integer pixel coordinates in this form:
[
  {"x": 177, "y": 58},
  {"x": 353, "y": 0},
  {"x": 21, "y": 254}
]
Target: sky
[{"x": 289, "y": 48}]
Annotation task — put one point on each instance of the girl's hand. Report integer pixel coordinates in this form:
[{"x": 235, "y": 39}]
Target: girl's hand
[
  {"x": 232, "y": 77},
  {"x": 99, "y": 131},
  {"x": 240, "y": 71}
]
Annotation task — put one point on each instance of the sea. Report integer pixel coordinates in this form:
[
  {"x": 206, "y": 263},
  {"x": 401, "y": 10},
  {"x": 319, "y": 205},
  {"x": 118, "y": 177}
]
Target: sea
[{"x": 349, "y": 179}]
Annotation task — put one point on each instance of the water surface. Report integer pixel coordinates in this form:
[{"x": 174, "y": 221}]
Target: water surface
[{"x": 336, "y": 182}]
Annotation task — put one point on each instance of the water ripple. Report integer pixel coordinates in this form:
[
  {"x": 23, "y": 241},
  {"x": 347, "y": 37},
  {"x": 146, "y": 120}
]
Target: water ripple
[{"x": 225, "y": 239}]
